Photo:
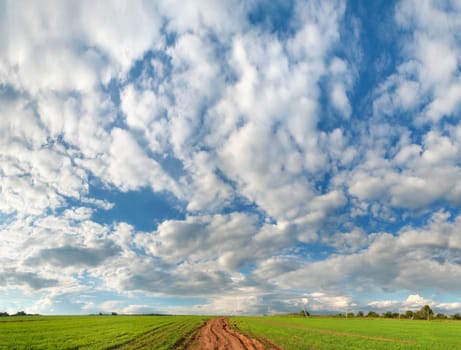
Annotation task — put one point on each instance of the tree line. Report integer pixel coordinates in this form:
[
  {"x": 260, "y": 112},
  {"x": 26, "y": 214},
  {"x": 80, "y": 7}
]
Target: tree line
[
  {"x": 19, "y": 313},
  {"x": 425, "y": 313}
]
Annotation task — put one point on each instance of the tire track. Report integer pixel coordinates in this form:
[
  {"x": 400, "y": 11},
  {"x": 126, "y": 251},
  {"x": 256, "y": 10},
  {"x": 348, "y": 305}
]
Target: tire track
[{"x": 216, "y": 334}]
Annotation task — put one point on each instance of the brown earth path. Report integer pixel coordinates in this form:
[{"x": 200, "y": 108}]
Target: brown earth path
[{"x": 216, "y": 334}]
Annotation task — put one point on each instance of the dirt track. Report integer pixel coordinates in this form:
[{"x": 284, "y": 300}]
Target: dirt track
[{"x": 218, "y": 335}]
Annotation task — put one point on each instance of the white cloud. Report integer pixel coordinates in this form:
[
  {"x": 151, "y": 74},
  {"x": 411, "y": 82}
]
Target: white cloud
[
  {"x": 428, "y": 76},
  {"x": 136, "y": 309},
  {"x": 384, "y": 304},
  {"x": 450, "y": 307},
  {"x": 203, "y": 187},
  {"x": 123, "y": 31},
  {"x": 415, "y": 259},
  {"x": 129, "y": 167},
  {"x": 415, "y": 301},
  {"x": 410, "y": 179},
  {"x": 207, "y": 238},
  {"x": 140, "y": 108},
  {"x": 226, "y": 115},
  {"x": 348, "y": 242},
  {"x": 323, "y": 301},
  {"x": 245, "y": 303},
  {"x": 202, "y": 16}
]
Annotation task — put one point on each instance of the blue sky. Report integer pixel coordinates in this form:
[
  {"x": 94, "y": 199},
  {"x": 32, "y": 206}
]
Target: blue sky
[{"x": 229, "y": 157}]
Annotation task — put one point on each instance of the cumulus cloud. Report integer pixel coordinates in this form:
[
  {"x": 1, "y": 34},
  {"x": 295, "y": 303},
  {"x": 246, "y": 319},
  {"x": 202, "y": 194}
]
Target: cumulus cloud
[
  {"x": 136, "y": 309},
  {"x": 416, "y": 259},
  {"x": 225, "y": 239},
  {"x": 32, "y": 280},
  {"x": 428, "y": 76},
  {"x": 286, "y": 174},
  {"x": 414, "y": 302},
  {"x": 70, "y": 256}
]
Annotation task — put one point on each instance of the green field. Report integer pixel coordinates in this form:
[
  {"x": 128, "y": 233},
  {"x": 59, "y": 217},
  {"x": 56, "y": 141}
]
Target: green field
[
  {"x": 97, "y": 332},
  {"x": 324, "y": 333},
  {"x": 172, "y": 332}
]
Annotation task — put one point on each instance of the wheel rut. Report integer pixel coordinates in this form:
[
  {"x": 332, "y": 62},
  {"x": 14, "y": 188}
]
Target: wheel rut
[{"x": 216, "y": 334}]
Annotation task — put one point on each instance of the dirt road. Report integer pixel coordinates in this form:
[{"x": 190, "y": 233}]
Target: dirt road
[{"x": 218, "y": 335}]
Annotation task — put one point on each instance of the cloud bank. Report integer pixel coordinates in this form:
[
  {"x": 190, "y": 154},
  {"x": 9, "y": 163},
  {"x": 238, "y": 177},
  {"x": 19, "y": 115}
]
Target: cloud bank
[{"x": 275, "y": 152}]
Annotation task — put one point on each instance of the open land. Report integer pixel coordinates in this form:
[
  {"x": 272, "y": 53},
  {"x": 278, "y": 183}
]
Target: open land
[
  {"x": 97, "y": 332},
  {"x": 205, "y": 333},
  {"x": 325, "y": 333}
]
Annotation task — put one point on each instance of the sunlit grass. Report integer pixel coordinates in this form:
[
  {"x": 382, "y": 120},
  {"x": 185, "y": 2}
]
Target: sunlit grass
[
  {"x": 336, "y": 333},
  {"x": 96, "y": 332}
]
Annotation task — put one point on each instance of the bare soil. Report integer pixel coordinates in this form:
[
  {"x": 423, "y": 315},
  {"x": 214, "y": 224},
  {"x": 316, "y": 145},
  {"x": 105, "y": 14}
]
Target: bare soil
[{"x": 216, "y": 334}]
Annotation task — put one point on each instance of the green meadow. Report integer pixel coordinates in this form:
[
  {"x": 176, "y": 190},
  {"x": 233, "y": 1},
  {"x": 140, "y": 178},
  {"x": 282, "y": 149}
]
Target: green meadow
[
  {"x": 97, "y": 332},
  {"x": 325, "y": 333},
  {"x": 173, "y": 332}
]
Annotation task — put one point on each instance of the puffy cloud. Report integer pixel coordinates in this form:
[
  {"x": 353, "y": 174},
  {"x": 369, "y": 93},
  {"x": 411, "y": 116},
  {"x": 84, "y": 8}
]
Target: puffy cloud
[
  {"x": 140, "y": 108},
  {"x": 134, "y": 309},
  {"x": 415, "y": 259},
  {"x": 226, "y": 238},
  {"x": 201, "y": 17},
  {"x": 322, "y": 301},
  {"x": 37, "y": 174},
  {"x": 32, "y": 280},
  {"x": 257, "y": 134},
  {"x": 75, "y": 256},
  {"x": 85, "y": 37},
  {"x": 348, "y": 241},
  {"x": 384, "y": 304},
  {"x": 428, "y": 76},
  {"x": 415, "y": 301},
  {"x": 122, "y": 31},
  {"x": 129, "y": 167},
  {"x": 246, "y": 303},
  {"x": 410, "y": 179}
]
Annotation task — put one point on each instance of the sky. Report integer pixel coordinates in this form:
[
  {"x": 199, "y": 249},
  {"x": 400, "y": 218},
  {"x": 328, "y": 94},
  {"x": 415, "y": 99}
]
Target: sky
[{"x": 230, "y": 157}]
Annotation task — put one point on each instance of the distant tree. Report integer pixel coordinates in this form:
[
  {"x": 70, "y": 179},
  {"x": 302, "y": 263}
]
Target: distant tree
[
  {"x": 304, "y": 313},
  {"x": 425, "y": 313},
  {"x": 456, "y": 317},
  {"x": 360, "y": 314},
  {"x": 4, "y": 314},
  {"x": 372, "y": 314},
  {"x": 350, "y": 315},
  {"x": 114, "y": 314},
  {"x": 441, "y": 316},
  {"x": 387, "y": 314},
  {"x": 20, "y": 313},
  {"x": 409, "y": 314}
]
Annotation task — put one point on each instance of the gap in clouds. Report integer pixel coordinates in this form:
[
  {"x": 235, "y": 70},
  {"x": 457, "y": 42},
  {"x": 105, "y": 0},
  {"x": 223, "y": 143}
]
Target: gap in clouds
[
  {"x": 274, "y": 16},
  {"x": 143, "y": 209}
]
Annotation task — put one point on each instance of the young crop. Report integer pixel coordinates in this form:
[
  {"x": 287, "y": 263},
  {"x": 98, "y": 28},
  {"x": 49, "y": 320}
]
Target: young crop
[
  {"x": 337, "y": 334},
  {"x": 96, "y": 332}
]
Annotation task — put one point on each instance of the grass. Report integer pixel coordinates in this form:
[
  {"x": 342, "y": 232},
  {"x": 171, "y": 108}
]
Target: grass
[
  {"x": 172, "y": 332},
  {"x": 324, "y": 333},
  {"x": 97, "y": 332}
]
